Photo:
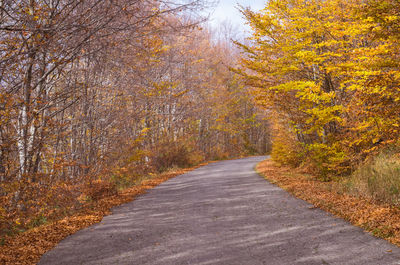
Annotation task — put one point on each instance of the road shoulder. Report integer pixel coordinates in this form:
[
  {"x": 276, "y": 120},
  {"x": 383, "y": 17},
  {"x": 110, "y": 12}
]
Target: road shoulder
[
  {"x": 379, "y": 219},
  {"x": 29, "y": 246}
]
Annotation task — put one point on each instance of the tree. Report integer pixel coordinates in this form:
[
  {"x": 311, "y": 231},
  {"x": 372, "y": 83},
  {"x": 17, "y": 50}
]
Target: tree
[{"x": 97, "y": 93}]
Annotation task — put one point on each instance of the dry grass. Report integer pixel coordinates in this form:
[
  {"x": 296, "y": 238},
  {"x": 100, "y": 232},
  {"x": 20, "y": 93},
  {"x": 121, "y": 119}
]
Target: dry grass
[
  {"x": 382, "y": 220},
  {"x": 28, "y": 247},
  {"x": 378, "y": 179}
]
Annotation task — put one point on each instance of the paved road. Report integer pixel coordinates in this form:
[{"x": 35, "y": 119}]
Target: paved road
[{"x": 223, "y": 213}]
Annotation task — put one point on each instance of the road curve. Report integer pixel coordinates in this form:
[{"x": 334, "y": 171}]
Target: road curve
[{"x": 222, "y": 213}]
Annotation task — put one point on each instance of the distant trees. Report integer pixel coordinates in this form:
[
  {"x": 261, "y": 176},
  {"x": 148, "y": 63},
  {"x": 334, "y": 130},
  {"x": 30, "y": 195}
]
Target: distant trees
[
  {"x": 110, "y": 90},
  {"x": 329, "y": 73}
]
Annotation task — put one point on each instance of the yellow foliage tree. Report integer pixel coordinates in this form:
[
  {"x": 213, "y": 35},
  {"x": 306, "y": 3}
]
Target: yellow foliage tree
[{"x": 330, "y": 67}]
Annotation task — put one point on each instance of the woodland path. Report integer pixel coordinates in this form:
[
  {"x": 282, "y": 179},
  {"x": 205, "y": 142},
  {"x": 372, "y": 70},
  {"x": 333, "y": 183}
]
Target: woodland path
[{"x": 222, "y": 213}]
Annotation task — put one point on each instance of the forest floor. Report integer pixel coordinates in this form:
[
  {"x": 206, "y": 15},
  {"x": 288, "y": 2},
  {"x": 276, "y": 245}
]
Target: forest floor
[
  {"x": 28, "y": 247},
  {"x": 379, "y": 219}
]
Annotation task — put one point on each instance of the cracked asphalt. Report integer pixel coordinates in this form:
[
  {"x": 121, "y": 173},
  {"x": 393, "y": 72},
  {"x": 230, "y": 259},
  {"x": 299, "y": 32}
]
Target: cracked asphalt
[{"x": 222, "y": 213}]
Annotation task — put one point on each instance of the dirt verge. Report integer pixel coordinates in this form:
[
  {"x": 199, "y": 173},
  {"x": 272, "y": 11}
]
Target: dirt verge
[
  {"x": 28, "y": 247},
  {"x": 379, "y": 219}
]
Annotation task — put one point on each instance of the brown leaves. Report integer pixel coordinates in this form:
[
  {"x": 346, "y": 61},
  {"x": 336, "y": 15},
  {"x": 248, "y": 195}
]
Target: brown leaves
[
  {"x": 28, "y": 247},
  {"x": 381, "y": 220}
]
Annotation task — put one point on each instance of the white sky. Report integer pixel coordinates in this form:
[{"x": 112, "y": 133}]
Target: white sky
[{"x": 227, "y": 11}]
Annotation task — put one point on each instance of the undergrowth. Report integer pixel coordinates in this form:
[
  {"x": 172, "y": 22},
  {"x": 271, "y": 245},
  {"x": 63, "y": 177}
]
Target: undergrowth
[
  {"x": 98, "y": 199},
  {"x": 378, "y": 178}
]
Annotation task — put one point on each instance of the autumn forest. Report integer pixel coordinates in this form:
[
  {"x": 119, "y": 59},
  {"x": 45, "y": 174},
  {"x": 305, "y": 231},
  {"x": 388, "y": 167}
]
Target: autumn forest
[
  {"x": 328, "y": 72},
  {"x": 99, "y": 92},
  {"x": 96, "y": 94}
]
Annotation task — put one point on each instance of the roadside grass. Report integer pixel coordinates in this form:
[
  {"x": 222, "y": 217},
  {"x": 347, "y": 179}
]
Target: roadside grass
[
  {"x": 377, "y": 217},
  {"x": 377, "y": 179},
  {"x": 29, "y": 246}
]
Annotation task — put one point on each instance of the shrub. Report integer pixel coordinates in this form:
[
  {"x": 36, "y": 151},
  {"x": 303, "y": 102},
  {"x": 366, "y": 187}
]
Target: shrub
[
  {"x": 218, "y": 153},
  {"x": 123, "y": 181},
  {"x": 326, "y": 160},
  {"x": 287, "y": 152},
  {"x": 99, "y": 189},
  {"x": 178, "y": 153}
]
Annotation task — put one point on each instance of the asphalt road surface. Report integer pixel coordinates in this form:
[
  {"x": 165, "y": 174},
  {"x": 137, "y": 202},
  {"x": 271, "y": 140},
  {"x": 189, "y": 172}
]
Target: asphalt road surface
[{"x": 222, "y": 213}]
